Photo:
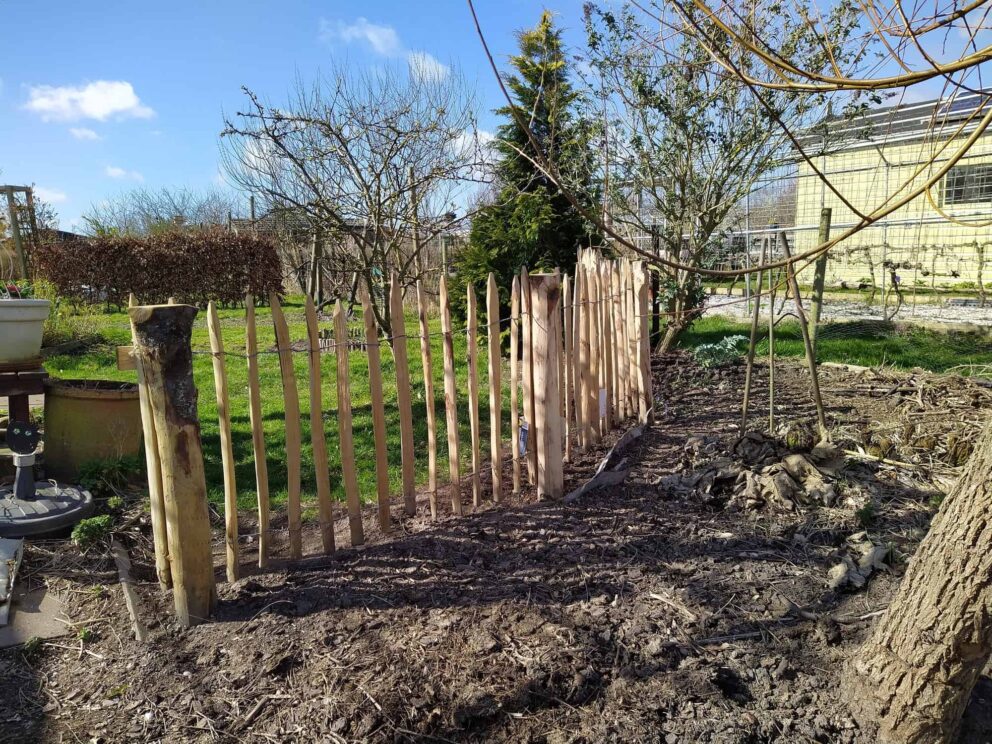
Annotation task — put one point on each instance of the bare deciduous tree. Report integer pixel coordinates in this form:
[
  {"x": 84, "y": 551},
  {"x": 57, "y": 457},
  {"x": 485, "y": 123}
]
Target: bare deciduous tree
[
  {"x": 376, "y": 161},
  {"x": 145, "y": 211}
]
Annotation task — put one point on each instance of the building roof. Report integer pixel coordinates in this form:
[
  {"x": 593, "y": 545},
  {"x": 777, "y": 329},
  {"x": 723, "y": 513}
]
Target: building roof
[{"x": 907, "y": 122}]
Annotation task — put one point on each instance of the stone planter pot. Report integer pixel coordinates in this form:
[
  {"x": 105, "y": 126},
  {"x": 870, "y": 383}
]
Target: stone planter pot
[
  {"x": 21, "y": 325},
  {"x": 88, "y": 420}
]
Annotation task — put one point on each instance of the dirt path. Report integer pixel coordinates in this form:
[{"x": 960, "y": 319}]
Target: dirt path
[{"x": 643, "y": 613}]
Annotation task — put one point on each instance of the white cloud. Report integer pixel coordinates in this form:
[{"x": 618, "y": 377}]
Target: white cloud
[
  {"x": 82, "y": 133},
  {"x": 383, "y": 39},
  {"x": 114, "y": 172},
  {"x": 424, "y": 66},
  {"x": 100, "y": 100},
  {"x": 52, "y": 196}
]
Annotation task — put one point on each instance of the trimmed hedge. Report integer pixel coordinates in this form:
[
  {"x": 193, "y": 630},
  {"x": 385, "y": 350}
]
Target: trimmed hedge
[{"x": 194, "y": 266}]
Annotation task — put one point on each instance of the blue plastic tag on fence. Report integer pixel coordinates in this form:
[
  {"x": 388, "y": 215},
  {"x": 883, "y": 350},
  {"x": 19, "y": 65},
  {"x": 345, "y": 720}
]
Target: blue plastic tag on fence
[{"x": 523, "y": 438}]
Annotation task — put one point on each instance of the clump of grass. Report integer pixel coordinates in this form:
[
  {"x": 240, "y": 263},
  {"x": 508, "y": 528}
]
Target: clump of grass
[
  {"x": 867, "y": 515},
  {"x": 104, "y": 478},
  {"x": 92, "y": 530}
]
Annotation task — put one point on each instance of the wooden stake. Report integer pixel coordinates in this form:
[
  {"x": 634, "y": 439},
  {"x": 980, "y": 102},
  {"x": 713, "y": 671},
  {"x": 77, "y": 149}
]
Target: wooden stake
[
  {"x": 595, "y": 373},
  {"x": 819, "y": 276},
  {"x": 160, "y": 535},
  {"x": 318, "y": 440},
  {"x": 403, "y": 403},
  {"x": 547, "y": 425},
  {"x": 425, "y": 356},
  {"x": 644, "y": 344},
  {"x": 566, "y": 289},
  {"x": 578, "y": 401},
  {"x": 257, "y": 433},
  {"x": 495, "y": 390},
  {"x": 606, "y": 313},
  {"x": 345, "y": 435},
  {"x": 226, "y": 443},
  {"x": 294, "y": 433},
  {"x": 772, "y": 289},
  {"x": 162, "y": 336},
  {"x": 752, "y": 342},
  {"x": 514, "y": 379},
  {"x": 378, "y": 413},
  {"x": 814, "y": 378},
  {"x": 633, "y": 333},
  {"x": 527, "y": 383},
  {"x": 450, "y": 399},
  {"x": 472, "y": 336}
]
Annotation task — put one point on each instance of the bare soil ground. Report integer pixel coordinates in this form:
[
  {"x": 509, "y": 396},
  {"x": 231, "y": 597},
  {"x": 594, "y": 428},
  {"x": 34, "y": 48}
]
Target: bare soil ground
[{"x": 651, "y": 611}]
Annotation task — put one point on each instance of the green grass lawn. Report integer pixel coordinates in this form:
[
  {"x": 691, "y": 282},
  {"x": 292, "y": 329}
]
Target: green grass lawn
[
  {"x": 100, "y": 363},
  {"x": 864, "y": 344}
]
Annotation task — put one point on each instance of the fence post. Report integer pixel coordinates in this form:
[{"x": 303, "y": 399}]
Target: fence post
[
  {"x": 578, "y": 370},
  {"x": 820, "y": 276},
  {"x": 425, "y": 356},
  {"x": 294, "y": 434},
  {"x": 514, "y": 380},
  {"x": 472, "y": 340},
  {"x": 545, "y": 296},
  {"x": 378, "y": 413},
  {"x": 345, "y": 435},
  {"x": 162, "y": 345},
  {"x": 226, "y": 442},
  {"x": 257, "y": 433},
  {"x": 644, "y": 343},
  {"x": 403, "y": 404},
  {"x": 153, "y": 465},
  {"x": 527, "y": 384},
  {"x": 317, "y": 439},
  {"x": 495, "y": 389},
  {"x": 566, "y": 290},
  {"x": 606, "y": 313},
  {"x": 450, "y": 399}
]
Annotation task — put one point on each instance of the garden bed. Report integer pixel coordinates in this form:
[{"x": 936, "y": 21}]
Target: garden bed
[{"x": 638, "y": 612}]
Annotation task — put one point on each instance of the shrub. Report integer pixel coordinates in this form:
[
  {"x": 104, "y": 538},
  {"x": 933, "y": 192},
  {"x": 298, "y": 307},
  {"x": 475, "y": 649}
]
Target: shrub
[
  {"x": 721, "y": 353},
  {"x": 92, "y": 530},
  {"x": 193, "y": 266}
]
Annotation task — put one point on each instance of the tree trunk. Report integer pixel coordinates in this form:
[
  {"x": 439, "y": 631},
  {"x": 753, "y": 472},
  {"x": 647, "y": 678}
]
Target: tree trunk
[{"x": 914, "y": 675}]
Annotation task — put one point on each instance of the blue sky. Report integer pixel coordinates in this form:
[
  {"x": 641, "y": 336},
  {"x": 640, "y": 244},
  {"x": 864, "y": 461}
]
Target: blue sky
[{"x": 99, "y": 97}]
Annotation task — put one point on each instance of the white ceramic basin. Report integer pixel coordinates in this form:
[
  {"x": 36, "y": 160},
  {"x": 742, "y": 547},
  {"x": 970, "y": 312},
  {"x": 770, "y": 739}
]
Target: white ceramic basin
[{"x": 21, "y": 326}]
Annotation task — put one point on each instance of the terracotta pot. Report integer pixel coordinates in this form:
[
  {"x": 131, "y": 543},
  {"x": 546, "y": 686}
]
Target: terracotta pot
[
  {"x": 21, "y": 325},
  {"x": 86, "y": 421}
]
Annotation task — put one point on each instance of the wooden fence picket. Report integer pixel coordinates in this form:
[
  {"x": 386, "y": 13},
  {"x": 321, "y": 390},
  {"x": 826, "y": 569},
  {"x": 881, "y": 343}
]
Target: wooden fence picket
[
  {"x": 450, "y": 398},
  {"x": 472, "y": 337},
  {"x": 425, "y": 356},
  {"x": 379, "y": 433},
  {"x": 527, "y": 383},
  {"x": 294, "y": 433},
  {"x": 568, "y": 366},
  {"x": 325, "y": 513},
  {"x": 345, "y": 434},
  {"x": 257, "y": 434},
  {"x": 226, "y": 443},
  {"x": 495, "y": 389},
  {"x": 403, "y": 404},
  {"x": 514, "y": 381}
]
